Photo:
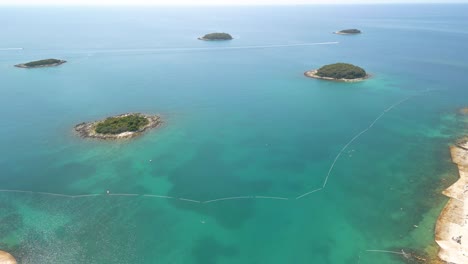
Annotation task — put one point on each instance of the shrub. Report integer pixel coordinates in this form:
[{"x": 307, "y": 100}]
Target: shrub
[
  {"x": 341, "y": 71},
  {"x": 117, "y": 125}
]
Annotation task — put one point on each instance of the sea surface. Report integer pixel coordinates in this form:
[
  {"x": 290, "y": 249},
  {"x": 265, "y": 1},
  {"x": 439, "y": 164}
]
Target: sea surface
[{"x": 241, "y": 120}]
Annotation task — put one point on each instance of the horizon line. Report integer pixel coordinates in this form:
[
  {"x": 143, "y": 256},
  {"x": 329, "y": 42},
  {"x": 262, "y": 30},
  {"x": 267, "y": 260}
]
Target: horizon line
[{"x": 230, "y": 4}]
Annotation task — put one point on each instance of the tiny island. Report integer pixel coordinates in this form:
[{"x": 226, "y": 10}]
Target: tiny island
[
  {"x": 119, "y": 127},
  {"x": 348, "y": 32},
  {"x": 341, "y": 72},
  {"x": 216, "y": 36},
  {"x": 41, "y": 63}
]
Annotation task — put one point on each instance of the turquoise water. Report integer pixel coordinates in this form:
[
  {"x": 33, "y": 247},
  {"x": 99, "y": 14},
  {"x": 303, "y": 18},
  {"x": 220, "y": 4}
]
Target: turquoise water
[{"x": 238, "y": 122}]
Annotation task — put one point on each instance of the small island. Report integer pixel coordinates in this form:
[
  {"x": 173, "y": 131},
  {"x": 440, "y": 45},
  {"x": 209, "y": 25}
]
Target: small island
[
  {"x": 41, "y": 63},
  {"x": 348, "y": 32},
  {"x": 119, "y": 127},
  {"x": 342, "y": 72},
  {"x": 216, "y": 36}
]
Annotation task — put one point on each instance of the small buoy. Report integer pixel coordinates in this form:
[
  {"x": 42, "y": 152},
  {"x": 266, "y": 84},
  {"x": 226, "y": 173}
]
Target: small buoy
[
  {"x": 108, "y": 192},
  {"x": 150, "y": 160},
  {"x": 415, "y": 226},
  {"x": 202, "y": 221}
]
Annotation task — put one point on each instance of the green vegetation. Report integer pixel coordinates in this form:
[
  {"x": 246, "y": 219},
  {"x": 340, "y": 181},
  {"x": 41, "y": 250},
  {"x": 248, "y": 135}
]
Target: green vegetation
[
  {"x": 217, "y": 36},
  {"x": 117, "y": 125},
  {"x": 43, "y": 62},
  {"x": 341, "y": 71},
  {"x": 350, "y": 31}
]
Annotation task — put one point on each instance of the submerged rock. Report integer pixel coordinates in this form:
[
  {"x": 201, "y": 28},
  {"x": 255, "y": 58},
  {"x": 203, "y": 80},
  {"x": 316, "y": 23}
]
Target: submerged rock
[{"x": 6, "y": 258}]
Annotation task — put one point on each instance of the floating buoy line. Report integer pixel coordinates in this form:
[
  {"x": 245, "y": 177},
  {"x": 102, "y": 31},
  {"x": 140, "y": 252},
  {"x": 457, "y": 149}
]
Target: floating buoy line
[{"x": 221, "y": 199}]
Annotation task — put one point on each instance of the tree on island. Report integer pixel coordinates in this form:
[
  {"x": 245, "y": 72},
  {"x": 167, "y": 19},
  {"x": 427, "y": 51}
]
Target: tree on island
[
  {"x": 117, "y": 125},
  {"x": 350, "y": 31},
  {"x": 341, "y": 71},
  {"x": 217, "y": 36},
  {"x": 42, "y": 62}
]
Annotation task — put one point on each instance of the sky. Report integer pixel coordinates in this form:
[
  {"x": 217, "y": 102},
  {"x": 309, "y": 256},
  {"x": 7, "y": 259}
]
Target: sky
[{"x": 213, "y": 2}]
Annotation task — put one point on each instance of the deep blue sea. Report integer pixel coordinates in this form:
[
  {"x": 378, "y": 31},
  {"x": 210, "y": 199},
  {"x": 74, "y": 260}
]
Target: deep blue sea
[{"x": 242, "y": 124}]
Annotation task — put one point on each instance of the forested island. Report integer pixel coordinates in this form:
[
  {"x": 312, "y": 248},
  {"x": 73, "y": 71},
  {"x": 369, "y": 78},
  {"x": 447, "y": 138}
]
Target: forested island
[
  {"x": 348, "y": 31},
  {"x": 41, "y": 63},
  {"x": 343, "y": 72},
  {"x": 216, "y": 36},
  {"x": 118, "y": 127}
]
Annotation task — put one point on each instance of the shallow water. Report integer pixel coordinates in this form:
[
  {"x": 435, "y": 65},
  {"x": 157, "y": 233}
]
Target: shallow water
[{"x": 238, "y": 122}]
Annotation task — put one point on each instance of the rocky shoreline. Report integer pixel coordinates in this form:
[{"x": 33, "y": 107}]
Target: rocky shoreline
[
  {"x": 6, "y": 258},
  {"x": 451, "y": 232},
  {"x": 206, "y": 39},
  {"x": 88, "y": 130},
  {"x": 23, "y": 65},
  {"x": 313, "y": 74}
]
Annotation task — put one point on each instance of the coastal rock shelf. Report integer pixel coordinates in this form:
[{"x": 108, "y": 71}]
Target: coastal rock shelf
[
  {"x": 451, "y": 232},
  {"x": 6, "y": 258},
  {"x": 341, "y": 72},
  {"x": 41, "y": 63},
  {"x": 216, "y": 36},
  {"x": 119, "y": 127}
]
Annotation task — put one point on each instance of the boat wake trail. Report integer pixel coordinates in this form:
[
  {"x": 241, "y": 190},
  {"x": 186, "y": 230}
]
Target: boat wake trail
[
  {"x": 7, "y": 49},
  {"x": 214, "y": 48}
]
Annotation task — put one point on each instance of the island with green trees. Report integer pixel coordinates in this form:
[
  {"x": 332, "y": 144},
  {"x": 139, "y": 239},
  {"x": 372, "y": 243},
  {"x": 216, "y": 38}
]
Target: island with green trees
[
  {"x": 343, "y": 72},
  {"x": 41, "y": 63},
  {"x": 348, "y": 32},
  {"x": 119, "y": 127},
  {"x": 216, "y": 36}
]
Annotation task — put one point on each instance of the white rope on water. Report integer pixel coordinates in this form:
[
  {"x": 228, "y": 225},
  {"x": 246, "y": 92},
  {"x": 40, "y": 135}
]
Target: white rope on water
[
  {"x": 41, "y": 193},
  {"x": 189, "y": 200},
  {"x": 271, "y": 197},
  {"x": 55, "y": 194},
  {"x": 247, "y": 197},
  {"x": 357, "y": 136},
  {"x": 123, "y": 194},
  {"x": 86, "y": 195},
  {"x": 229, "y": 198},
  {"x": 158, "y": 196},
  {"x": 305, "y": 194}
]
